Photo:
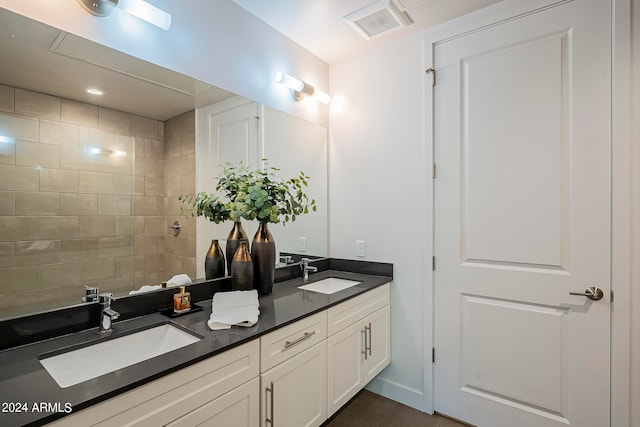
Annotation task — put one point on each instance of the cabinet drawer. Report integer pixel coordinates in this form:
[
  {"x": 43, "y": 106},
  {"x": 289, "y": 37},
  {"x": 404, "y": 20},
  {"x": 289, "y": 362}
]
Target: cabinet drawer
[
  {"x": 164, "y": 400},
  {"x": 351, "y": 311},
  {"x": 280, "y": 345}
]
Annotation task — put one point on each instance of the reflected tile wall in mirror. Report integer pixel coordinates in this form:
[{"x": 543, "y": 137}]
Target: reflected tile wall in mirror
[{"x": 71, "y": 217}]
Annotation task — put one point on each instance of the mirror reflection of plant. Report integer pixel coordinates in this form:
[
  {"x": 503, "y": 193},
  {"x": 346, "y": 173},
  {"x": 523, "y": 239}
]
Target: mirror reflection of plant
[{"x": 253, "y": 194}]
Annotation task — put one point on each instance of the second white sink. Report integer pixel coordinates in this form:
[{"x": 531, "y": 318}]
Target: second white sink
[
  {"x": 329, "y": 286},
  {"x": 89, "y": 362}
]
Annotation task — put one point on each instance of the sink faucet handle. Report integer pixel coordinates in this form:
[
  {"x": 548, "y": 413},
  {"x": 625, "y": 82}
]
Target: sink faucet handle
[
  {"x": 90, "y": 294},
  {"x": 106, "y": 298}
]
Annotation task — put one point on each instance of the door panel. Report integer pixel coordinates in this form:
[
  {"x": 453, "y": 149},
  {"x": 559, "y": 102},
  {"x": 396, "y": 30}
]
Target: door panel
[{"x": 522, "y": 201}]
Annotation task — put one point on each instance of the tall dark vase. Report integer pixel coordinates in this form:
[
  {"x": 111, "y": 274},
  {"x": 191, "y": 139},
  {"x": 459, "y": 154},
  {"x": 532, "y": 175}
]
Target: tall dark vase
[
  {"x": 263, "y": 252},
  {"x": 235, "y": 236},
  {"x": 214, "y": 264},
  {"x": 242, "y": 268}
]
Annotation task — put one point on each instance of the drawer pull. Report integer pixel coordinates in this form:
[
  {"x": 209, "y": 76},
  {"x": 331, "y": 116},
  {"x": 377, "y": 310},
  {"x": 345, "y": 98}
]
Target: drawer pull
[
  {"x": 270, "y": 391},
  {"x": 306, "y": 336}
]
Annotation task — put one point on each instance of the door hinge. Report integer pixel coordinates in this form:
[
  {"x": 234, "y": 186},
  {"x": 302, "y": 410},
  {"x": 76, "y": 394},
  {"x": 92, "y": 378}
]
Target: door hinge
[
  {"x": 433, "y": 263},
  {"x": 433, "y": 173},
  {"x": 433, "y": 355},
  {"x": 433, "y": 75},
  {"x": 612, "y": 295}
]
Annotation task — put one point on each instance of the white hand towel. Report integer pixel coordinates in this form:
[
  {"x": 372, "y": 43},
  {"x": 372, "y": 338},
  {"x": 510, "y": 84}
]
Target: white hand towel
[
  {"x": 179, "y": 280},
  {"x": 145, "y": 288},
  {"x": 240, "y": 308}
]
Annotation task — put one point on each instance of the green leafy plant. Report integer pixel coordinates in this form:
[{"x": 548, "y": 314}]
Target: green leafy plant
[{"x": 253, "y": 193}]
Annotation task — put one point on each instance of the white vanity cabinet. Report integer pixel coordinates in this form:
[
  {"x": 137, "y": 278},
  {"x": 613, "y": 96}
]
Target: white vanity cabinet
[
  {"x": 293, "y": 374},
  {"x": 222, "y": 387},
  {"x": 358, "y": 346}
]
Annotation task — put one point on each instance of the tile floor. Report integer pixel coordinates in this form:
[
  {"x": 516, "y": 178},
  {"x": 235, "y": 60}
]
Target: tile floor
[{"x": 371, "y": 410}]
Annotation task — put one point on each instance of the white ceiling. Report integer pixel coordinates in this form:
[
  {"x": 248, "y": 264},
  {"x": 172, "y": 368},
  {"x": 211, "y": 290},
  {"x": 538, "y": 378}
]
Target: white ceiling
[{"x": 317, "y": 25}]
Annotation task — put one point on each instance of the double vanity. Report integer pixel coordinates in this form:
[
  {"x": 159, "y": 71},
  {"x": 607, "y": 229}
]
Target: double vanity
[{"x": 316, "y": 344}]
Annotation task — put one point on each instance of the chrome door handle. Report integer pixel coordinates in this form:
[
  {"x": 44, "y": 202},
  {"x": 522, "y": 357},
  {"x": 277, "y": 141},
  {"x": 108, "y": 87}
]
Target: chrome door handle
[{"x": 593, "y": 293}]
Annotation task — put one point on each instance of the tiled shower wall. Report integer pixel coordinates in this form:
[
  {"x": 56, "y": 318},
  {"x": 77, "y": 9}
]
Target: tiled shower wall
[{"x": 70, "y": 217}]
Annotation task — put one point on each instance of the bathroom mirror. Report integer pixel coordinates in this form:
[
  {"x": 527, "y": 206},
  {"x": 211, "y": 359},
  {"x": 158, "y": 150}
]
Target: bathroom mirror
[{"x": 88, "y": 184}]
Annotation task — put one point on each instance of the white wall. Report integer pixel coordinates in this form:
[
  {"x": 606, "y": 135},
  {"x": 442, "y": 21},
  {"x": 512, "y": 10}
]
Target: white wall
[
  {"x": 214, "y": 41},
  {"x": 377, "y": 190},
  {"x": 635, "y": 215}
]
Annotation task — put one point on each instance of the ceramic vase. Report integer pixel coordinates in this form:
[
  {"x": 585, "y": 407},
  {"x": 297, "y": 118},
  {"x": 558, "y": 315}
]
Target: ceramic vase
[
  {"x": 236, "y": 234},
  {"x": 214, "y": 265},
  {"x": 263, "y": 253},
  {"x": 242, "y": 268}
]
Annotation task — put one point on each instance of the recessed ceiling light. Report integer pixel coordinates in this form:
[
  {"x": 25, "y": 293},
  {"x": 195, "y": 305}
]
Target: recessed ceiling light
[{"x": 94, "y": 91}]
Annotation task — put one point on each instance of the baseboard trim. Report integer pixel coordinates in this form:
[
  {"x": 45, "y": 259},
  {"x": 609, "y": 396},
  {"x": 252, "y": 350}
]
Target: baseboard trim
[{"x": 398, "y": 392}]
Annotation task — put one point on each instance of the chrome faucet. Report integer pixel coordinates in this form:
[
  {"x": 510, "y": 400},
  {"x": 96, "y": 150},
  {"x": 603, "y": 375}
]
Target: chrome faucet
[
  {"x": 107, "y": 314},
  {"x": 306, "y": 269},
  {"x": 90, "y": 294}
]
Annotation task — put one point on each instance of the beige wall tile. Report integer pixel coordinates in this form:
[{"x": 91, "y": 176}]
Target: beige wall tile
[
  {"x": 7, "y": 304},
  {"x": 188, "y": 143},
  {"x": 188, "y": 164},
  {"x": 19, "y": 178},
  {"x": 98, "y": 269},
  {"x": 59, "y": 275},
  {"x": 115, "y": 164},
  {"x": 7, "y": 203},
  {"x": 97, "y": 138},
  {"x": 19, "y": 279},
  {"x": 153, "y": 263},
  {"x": 59, "y": 227},
  {"x": 51, "y": 297},
  {"x": 72, "y": 250},
  {"x": 36, "y": 154},
  {"x": 7, "y": 153},
  {"x": 172, "y": 147},
  {"x": 115, "y": 247},
  {"x": 97, "y": 226},
  {"x": 138, "y": 224},
  {"x": 75, "y": 158},
  {"x": 145, "y": 245},
  {"x": 154, "y": 225},
  {"x": 7, "y": 254},
  {"x": 172, "y": 167},
  {"x": 124, "y": 225},
  {"x": 146, "y": 166},
  {"x": 97, "y": 183},
  {"x": 142, "y": 126},
  {"x": 78, "y": 204},
  {"x": 36, "y": 104},
  {"x": 138, "y": 185},
  {"x": 124, "y": 185},
  {"x": 114, "y": 120},
  {"x": 187, "y": 184},
  {"x": 25, "y": 128},
  {"x": 79, "y": 113},
  {"x": 106, "y": 205},
  {"x": 59, "y": 133},
  {"x": 125, "y": 266},
  {"x": 59, "y": 180},
  {"x": 153, "y": 186},
  {"x": 123, "y": 205},
  {"x": 37, "y": 204},
  {"x": 28, "y": 253},
  {"x": 147, "y": 206},
  {"x": 26, "y": 301},
  {"x": 15, "y": 228},
  {"x": 139, "y": 145},
  {"x": 7, "y": 98},
  {"x": 171, "y": 186},
  {"x": 153, "y": 148}
]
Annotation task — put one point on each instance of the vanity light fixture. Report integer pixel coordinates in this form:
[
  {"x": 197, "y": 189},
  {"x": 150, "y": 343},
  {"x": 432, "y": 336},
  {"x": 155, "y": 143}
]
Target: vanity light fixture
[
  {"x": 138, "y": 8},
  {"x": 301, "y": 89}
]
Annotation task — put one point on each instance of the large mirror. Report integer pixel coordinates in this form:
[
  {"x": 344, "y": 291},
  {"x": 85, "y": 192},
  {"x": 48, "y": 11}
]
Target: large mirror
[{"x": 89, "y": 183}]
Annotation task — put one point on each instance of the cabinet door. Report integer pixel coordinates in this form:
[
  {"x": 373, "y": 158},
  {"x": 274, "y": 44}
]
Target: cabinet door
[
  {"x": 294, "y": 393},
  {"x": 378, "y": 349},
  {"x": 238, "y": 408},
  {"x": 344, "y": 366}
]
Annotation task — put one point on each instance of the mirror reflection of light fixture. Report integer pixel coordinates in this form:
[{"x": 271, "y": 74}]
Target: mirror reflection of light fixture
[
  {"x": 300, "y": 89},
  {"x": 138, "y": 8}
]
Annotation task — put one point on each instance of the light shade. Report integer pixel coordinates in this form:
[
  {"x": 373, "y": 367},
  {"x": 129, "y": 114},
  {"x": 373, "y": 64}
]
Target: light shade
[
  {"x": 147, "y": 12},
  {"x": 301, "y": 89}
]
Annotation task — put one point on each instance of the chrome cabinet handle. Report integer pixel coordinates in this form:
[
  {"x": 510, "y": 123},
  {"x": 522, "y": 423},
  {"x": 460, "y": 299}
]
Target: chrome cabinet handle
[
  {"x": 306, "y": 336},
  {"x": 270, "y": 391},
  {"x": 593, "y": 293},
  {"x": 364, "y": 339},
  {"x": 369, "y": 341}
]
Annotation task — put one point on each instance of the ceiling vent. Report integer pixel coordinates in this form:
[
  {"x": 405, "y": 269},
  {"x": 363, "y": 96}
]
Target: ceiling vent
[{"x": 377, "y": 18}]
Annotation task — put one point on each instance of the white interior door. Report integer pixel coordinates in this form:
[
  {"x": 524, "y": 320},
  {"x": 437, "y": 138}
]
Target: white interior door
[
  {"x": 522, "y": 200},
  {"x": 231, "y": 135}
]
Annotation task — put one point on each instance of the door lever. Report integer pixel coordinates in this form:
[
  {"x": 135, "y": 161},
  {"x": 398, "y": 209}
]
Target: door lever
[{"x": 593, "y": 293}]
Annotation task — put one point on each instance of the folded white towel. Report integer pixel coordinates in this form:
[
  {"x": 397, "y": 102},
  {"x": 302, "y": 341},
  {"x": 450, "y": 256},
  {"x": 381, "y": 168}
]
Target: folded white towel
[
  {"x": 145, "y": 288},
  {"x": 240, "y": 308},
  {"x": 179, "y": 280}
]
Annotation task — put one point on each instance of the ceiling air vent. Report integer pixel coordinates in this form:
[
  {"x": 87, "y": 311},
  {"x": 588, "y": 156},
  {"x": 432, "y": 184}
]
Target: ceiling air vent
[{"x": 378, "y": 17}]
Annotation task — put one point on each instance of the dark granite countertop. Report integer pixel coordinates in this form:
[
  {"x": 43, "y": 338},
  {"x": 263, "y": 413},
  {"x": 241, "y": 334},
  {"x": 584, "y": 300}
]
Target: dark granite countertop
[{"x": 25, "y": 383}]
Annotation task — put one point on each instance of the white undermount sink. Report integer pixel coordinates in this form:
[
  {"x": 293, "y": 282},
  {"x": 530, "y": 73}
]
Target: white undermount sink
[
  {"x": 76, "y": 366},
  {"x": 329, "y": 286}
]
